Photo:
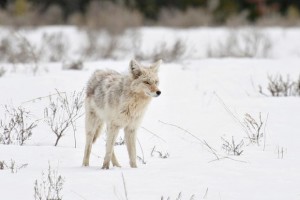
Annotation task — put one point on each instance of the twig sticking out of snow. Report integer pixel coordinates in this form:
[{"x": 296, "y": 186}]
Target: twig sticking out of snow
[
  {"x": 147, "y": 130},
  {"x": 253, "y": 128},
  {"x": 204, "y": 143},
  {"x": 231, "y": 147},
  {"x": 12, "y": 166}
]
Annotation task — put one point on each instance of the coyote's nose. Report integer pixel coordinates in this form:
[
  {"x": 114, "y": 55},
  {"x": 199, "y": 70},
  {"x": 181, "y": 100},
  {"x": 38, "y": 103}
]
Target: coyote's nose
[{"x": 158, "y": 93}]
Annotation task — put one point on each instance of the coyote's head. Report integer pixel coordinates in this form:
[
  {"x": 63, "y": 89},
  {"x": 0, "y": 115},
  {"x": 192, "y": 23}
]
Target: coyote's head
[{"x": 145, "y": 79}]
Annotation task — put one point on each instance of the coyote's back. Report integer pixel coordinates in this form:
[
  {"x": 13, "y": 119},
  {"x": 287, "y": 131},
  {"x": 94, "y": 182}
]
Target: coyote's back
[{"x": 119, "y": 101}]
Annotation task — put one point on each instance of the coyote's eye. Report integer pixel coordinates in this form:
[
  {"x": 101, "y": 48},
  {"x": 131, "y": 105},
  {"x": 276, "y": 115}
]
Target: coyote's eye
[{"x": 147, "y": 82}]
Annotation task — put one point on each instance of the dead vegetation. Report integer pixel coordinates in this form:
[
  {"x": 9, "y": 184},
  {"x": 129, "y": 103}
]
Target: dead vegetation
[
  {"x": 231, "y": 147},
  {"x": 100, "y": 45},
  {"x": 12, "y": 166},
  {"x": 56, "y": 45},
  {"x": 73, "y": 65},
  {"x": 62, "y": 113},
  {"x": 50, "y": 187},
  {"x": 254, "y": 128},
  {"x": 17, "y": 126},
  {"x": 168, "y": 52},
  {"x": 159, "y": 153},
  {"x": 16, "y": 48},
  {"x": 278, "y": 86},
  {"x": 248, "y": 43},
  {"x": 179, "y": 197}
]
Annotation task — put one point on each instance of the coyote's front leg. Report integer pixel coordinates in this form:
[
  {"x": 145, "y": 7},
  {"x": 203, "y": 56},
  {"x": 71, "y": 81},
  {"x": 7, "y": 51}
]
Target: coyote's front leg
[
  {"x": 130, "y": 139},
  {"x": 112, "y": 134}
]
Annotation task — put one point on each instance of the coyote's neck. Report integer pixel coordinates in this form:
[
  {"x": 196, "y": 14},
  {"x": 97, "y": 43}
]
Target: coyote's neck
[{"x": 136, "y": 105}]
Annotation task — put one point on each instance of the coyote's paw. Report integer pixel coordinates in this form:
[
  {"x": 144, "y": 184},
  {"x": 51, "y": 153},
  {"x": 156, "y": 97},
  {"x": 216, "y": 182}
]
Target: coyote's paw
[
  {"x": 133, "y": 165},
  {"x": 105, "y": 166}
]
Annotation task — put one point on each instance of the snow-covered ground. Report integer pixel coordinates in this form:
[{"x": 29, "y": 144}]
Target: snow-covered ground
[{"x": 202, "y": 100}]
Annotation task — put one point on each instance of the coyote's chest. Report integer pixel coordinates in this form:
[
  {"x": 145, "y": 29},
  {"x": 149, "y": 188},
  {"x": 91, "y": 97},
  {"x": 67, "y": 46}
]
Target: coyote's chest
[{"x": 133, "y": 110}]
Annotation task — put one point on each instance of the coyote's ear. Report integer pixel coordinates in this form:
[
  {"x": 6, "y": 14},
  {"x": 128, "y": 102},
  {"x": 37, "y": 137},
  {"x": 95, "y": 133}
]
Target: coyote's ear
[
  {"x": 135, "y": 68},
  {"x": 155, "y": 66}
]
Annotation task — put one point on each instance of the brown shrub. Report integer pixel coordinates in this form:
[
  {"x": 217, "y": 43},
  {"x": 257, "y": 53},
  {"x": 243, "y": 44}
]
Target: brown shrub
[
  {"x": 190, "y": 17},
  {"x": 112, "y": 17}
]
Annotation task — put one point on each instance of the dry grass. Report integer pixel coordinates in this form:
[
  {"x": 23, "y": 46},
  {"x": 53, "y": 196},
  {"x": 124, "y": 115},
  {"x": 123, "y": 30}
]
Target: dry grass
[
  {"x": 168, "y": 53},
  {"x": 249, "y": 43},
  {"x": 100, "y": 45},
  {"x": 56, "y": 45}
]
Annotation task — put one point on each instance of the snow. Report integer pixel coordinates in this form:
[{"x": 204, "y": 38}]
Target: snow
[{"x": 195, "y": 95}]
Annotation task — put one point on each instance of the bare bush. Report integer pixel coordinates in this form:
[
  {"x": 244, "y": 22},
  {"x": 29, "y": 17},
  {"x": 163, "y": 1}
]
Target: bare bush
[
  {"x": 5, "y": 48},
  {"x": 160, "y": 153},
  {"x": 12, "y": 166},
  {"x": 108, "y": 50},
  {"x": 56, "y": 44},
  {"x": 170, "y": 53},
  {"x": 30, "y": 52},
  {"x": 254, "y": 128},
  {"x": 50, "y": 186},
  {"x": 73, "y": 65},
  {"x": 16, "y": 48},
  {"x": 63, "y": 112},
  {"x": 100, "y": 45},
  {"x": 91, "y": 49},
  {"x": 232, "y": 148},
  {"x": 280, "y": 87},
  {"x": 251, "y": 43},
  {"x": 17, "y": 128}
]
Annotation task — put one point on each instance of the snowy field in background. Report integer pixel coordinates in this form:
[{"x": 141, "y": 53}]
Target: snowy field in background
[
  {"x": 198, "y": 43},
  {"x": 196, "y": 97}
]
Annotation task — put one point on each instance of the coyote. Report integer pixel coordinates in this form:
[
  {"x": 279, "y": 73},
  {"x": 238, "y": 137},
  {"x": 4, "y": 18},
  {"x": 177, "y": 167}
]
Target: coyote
[{"x": 119, "y": 101}]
